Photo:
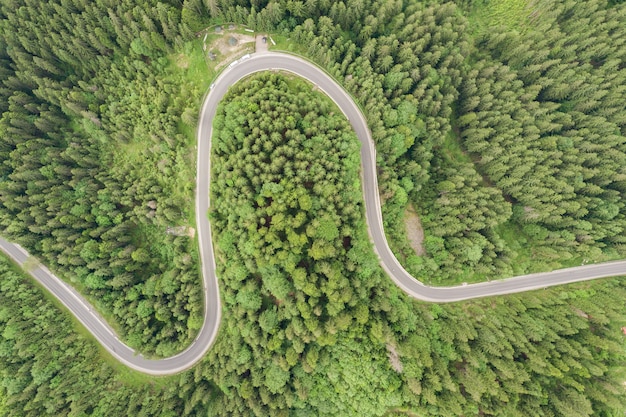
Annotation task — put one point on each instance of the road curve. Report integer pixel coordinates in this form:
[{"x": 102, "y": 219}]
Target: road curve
[{"x": 206, "y": 337}]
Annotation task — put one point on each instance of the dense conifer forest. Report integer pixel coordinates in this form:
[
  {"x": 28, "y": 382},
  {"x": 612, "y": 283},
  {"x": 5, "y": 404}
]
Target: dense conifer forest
[
  {"x": 505, "y": 130},
  {"x": 93, "y": 165}
]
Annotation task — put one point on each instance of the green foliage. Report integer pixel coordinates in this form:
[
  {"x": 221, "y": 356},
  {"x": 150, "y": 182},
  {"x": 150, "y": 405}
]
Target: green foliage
[
  {"x": 541, "y": 353},
  {"x": 286, "y": 206},
  {"x": 558, "y": 153},
  {"x": 510, "y": 14},
  {"x": 537, "y": 117},
  {"x": 496, "y": 136},
  {"x": 47, "y": 368},
  {"x": 92, "y": 175}
]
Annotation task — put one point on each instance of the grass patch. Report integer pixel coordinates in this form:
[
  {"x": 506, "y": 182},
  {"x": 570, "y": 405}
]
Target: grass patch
[
  {"x": 451, "y": 150},
  {"x": 512, "y": 14},
  {"x": 131, "y": 377},
  {"x": 193, "y": 61},
  {"x": 518, "y": 242},
  {"x": 284, "y": 43}
]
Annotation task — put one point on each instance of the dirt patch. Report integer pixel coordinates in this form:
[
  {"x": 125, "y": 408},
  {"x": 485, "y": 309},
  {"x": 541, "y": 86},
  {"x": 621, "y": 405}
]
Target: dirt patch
[
  {"x": 182, "y": 61},
  {"x": 228, "y": 47},
  {"x": 581, "y": 313},
  {"x": 262, "y": 42},
  {"x": 30, "y": 264},
  {"x": 394, "y": 358},
  {"x": 414, "y": 230},
  {"x": 231, "y": 42},
  {"x": 181, "y": 231}
]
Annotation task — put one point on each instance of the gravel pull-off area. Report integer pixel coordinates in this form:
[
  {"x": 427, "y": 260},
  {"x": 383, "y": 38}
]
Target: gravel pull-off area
[{"x": 262, "y": 46}]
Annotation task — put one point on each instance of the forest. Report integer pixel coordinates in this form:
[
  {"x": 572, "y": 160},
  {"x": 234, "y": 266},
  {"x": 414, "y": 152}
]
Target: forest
[
  {"x": 510, "y": 143},
  {"x": 506, "y": 132},
  {"x": 92, "y": 174}
]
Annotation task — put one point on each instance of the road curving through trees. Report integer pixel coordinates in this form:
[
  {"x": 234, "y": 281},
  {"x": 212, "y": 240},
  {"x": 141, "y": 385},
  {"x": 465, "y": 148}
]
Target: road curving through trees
[{"x": 86, "y": 314}]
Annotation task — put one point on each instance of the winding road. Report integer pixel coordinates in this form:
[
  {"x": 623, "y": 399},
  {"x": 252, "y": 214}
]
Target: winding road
[{"x": 86, "y": 314}]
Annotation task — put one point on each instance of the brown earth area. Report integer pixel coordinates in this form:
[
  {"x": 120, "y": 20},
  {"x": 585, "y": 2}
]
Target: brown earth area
[
  {"x": 394, "y": 358},
  {"x": 225, "y": 52},
  {"x": 414, "y": 230},
  {"x": 182, "y": 61},
  {"x": 226, "y": 48}
]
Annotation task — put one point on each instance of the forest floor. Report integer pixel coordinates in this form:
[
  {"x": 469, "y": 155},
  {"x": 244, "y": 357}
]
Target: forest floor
[{"x": 414, "y": 230}]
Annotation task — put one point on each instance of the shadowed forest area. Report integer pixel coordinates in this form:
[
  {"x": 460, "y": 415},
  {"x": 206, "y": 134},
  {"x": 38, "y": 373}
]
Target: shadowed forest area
[{"x": 503, "y": 127}]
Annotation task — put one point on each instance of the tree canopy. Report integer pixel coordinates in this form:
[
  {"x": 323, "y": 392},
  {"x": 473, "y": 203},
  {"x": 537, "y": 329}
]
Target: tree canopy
[{"x": 506, "y": 135}]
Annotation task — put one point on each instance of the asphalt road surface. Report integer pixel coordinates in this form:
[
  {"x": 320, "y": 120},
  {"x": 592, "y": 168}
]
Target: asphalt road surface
[{"x": 206, "y": 337}]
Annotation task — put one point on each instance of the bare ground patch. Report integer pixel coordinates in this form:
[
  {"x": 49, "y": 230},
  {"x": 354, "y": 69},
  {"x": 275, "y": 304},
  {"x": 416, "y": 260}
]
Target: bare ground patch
[
  {"x": 182, "y": 61},
  {"x": 414, "y": 230},
  {"x": 228, "y": 46},
  {"x": 181, "y": 231},
  {"x": 394, "y": 358}
]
